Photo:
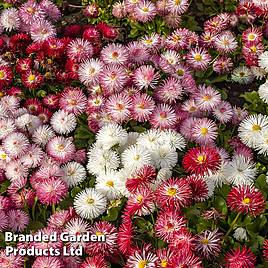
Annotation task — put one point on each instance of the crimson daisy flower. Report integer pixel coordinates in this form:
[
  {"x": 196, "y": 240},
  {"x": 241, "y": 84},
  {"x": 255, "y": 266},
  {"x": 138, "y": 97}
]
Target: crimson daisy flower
[
  {"x": 174, "y": 192},
  {"x": 201, "y": 160},
  {"x": 32, "y": 80},
  {"x": 199, "y": 187},
  {"x": 186, "y": 259},
  {"x": 246, "y": 199},
  {"x": 6, "y": 76},
  {"x": 240, "y": 258},
  {"x": 265, "y": 250}
]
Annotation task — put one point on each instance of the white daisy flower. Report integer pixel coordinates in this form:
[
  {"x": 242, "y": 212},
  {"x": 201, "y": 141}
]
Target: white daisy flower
[
  {"x": 263, "y": 92},
  {"x": 33, "y": 157},
  {"x": 251, "y": 127},
  {"x": 111, "y": 134},
  {"x": 90, "y": 203},
  {"x": 218, "y": 177},
  {"x": 101, "y": 160},
  {"x": 42, "y": 135},
  {"x": 162, "y": 175},
  {"x": 28, "y": 122},
  {"x": 258, "y": 72},
  {"x": 149, "y": 139},
  {"x": 74, "y": 173},
  {"x": 9, "y": 19},
  {"x": 135, "y": 157},
  {"x": 242, "y": 75},
  {"x": 173, "y": 138},
  {"x": 63, "y": 122},
  {"x": 107, "y": 184},
  {"x": 262, "y": 143},
  {"x": 131, "y": 140},
  {"x": 263, "y": 60},
  {"x": 15, "y": 170},
  {"x": 164, "y": 156},
  {"x": 7, "y": 126},
  {"x": 240, "y": 234},
  {"x": 240, "y": 171}
]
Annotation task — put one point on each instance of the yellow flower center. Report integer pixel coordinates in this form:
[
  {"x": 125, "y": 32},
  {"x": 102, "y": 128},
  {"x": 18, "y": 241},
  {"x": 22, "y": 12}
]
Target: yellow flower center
[
  {"x": 2, "y": 74},
  {"x": 110, "y": 183},
  {"x": 246, "y": 200},
  {"x": 31, "y": 77},
  {"x": 142, "y": 264},
  {"x": 251, "y": 37},
  {"x": 139, "y": 198},
  {"x": 136, "y": 157},
  {"x": 3, "y": 156},
  {"x": 253, "y": 49},
  {"x": 172, "y": 191},
  {"x": 99, "y": 233},
  {"x": 164, "y": 263},
  {"x": 205, "y": 241},
  {"x": 198, "y": 57},
  {"x": 201, "y": 159},
  {"x": 90, "y": 201},
  {"x": 204, "y": 131},
  {"x": 145, "y": 9},
  {"x": 256, "y": 127},
  {"x": 60, "y": 147},
  {"x": 31, "y": 10},
  {"x": 206, "y": 98},
  {"x": 177, "y": 2}
]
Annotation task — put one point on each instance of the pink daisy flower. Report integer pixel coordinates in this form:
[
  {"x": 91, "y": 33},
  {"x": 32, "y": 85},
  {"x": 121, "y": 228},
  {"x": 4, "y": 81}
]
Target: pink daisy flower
[
  {"x": 47, "y": 262},
  {"x": 177, "y": 41},
  {"x": 198, "y": 59},
  {"x": 174, "y": 193},
  {"x": 177, "y": 6},
  {"x": 61, "y": 149},
  {"x": 118, "y": 106},
  {"x": 17, "y": 220},
  {"x": 112, "y": 79},
  {"x": 3, "y": 221},
  {"x": 51, "y": 191},
  {"x": 96, "y": 261},
  {"x": 106, "y": 248},
  {"x": 252, "y": 36},
  {"x": 223, "y": 65},
  {"x": 168, "y": 224},
  {"x": 164, "y": 257},
  {"x": 145, "y": 77},
  {"x": 73, "y": 100},
  {"x": 163, "y": 117},
  {"x": 223, "y": 112},
  {"x": 59, "y": 219},
  {"x": 240, "y": 258},
  {"x": 138, "y": 52},
  {"x": 208, "y": 244},
  {"x": 79, "y": 50},
  {"x": 42, "y": 30},
  {"x": 265, "y": 250},
  {"x": 207, "y": 98},
  {"x": 225, "y": 42},
  {"x": 186, "y": 128},
  {"x": 182, "y": 241},
  {"x": 169, "y": 91},
  {"x": 186, "y": 259},
  {"x": 142, "y": 107},
  {"x": 144, "y": 11},
  {"x": 114, "y": 54},
  {"x": 11, "y": 261},
  {"x": 50, "y": 9},
  {"x": 205, "y": 131}
]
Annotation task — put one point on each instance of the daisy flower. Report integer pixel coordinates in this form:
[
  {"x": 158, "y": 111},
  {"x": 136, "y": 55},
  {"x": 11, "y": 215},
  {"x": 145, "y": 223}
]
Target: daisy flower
[
  {"x": 47, "y": 262},
  {"x": 89, "y": 71},
  {"x": 6, "y": 75},
  {"x": 63, "y": 122},
  {"x": 135, "y": 157},
  {"x": 142, "y": 258},
  {"x": 263, "y": 60},
  {"x": 33, "y": 157},
  {"x": 144, "y": 11},
  {"x": 9, "y": 19},
  {"x": 240, "y": 171},
  {"x": 74, "y": 173},
  {"x": 118, "y": 106},
  {"x": 246, "y": 199},
  {"x": 96, "y": 261},
  {"x": 265, "y": 250},
  {"x": 32, "y": 80},
  {"x": 142, "y": 107},
  {"x": 114, "y": 54},
  {"x": 17, "y": 220},
  {"x": 149, "y": 139},
  {"x": 205, "y": 131},
  {"x": 42, "y": 135},
  {"x": 151, "y": 42},
  {"x": 61, "y": 149},
  {"x": 173, "y": 138},
  {"x": 110, "y": 135},
  {"x": 11, "y": 261},
  {"x": 79, "y": 50},
  {"x": 90, "y": 204},
  {"x": 223, "y": 112},
  {"x": 201, "y": 160},
  {"x": 242, "y": 75},
  {"x": 240, "y": 258},
  {"x": 168, "y": 224},
  {"x": 145, "y": 76},
  {"x": 251, "y": 128},
  {"x": 208, "y": 244},
  {"x": 174, "y": 193},
  {"x": 223, "y": 65},
  {"x": 112, "y": 78},
  {"x": 263, "y": 92},
  {"x": 225, "y": 42},
  {"x": 198, "y": 59},
  {"x": 252, "y": 35},
  {"x": 186, "y": 258},
  {"x": 199, "y": 187},
  {"x": 138, "y": 53},
  {"x": 50, "y": 9},
  {"x": 51, "y": 191},
  {"x": 106, "y": 248},
  {"x": 240, "y": 234},
  {"x": 177, "y": 6},
  {"x": 73, "y": 100},
  {"x": 163, "y": 117},
  {"x": 42, "y": 30},
  {"x": 7, "y": 126}
]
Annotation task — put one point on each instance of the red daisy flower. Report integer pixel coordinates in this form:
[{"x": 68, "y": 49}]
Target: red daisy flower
[
  {"x": 199, "y": 187},
  {"x": 32, "y": 105},
  {"x": 24, "y": 65},
  {"x": 201, "y": 160},
  {"x": 32, "y": 80},
  {"x": 185, "y": 259},
  {"x": 182, "y": 241},
  {"x": 174, "y": 192},
  {"x": 141, "y": 179},
  {"x": 240, "y": 258},
  {"x": 246, "y": 199},
  {"x": 265, "y": 250},
  {"x": 96, "y": 261},
  {"x": 6, "y": 76}
]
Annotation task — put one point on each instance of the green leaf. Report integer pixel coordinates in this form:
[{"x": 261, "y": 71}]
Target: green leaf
[
  {"x": 75, "y": 191},
  {"x": 35, "y": 225},
  {"x": 112, "y": 214},
  {"x": 4, "y": 186}
]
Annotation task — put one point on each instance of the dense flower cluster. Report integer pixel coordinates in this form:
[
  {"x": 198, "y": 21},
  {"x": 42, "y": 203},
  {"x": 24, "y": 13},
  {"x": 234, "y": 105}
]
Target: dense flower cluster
[{"x": 137, "y": 139}]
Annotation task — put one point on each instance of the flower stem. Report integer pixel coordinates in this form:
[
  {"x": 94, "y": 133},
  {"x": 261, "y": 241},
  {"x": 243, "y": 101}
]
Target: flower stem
[
  {"x": 232, "y": 225},
  {"x": 53, "y": 208}
]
